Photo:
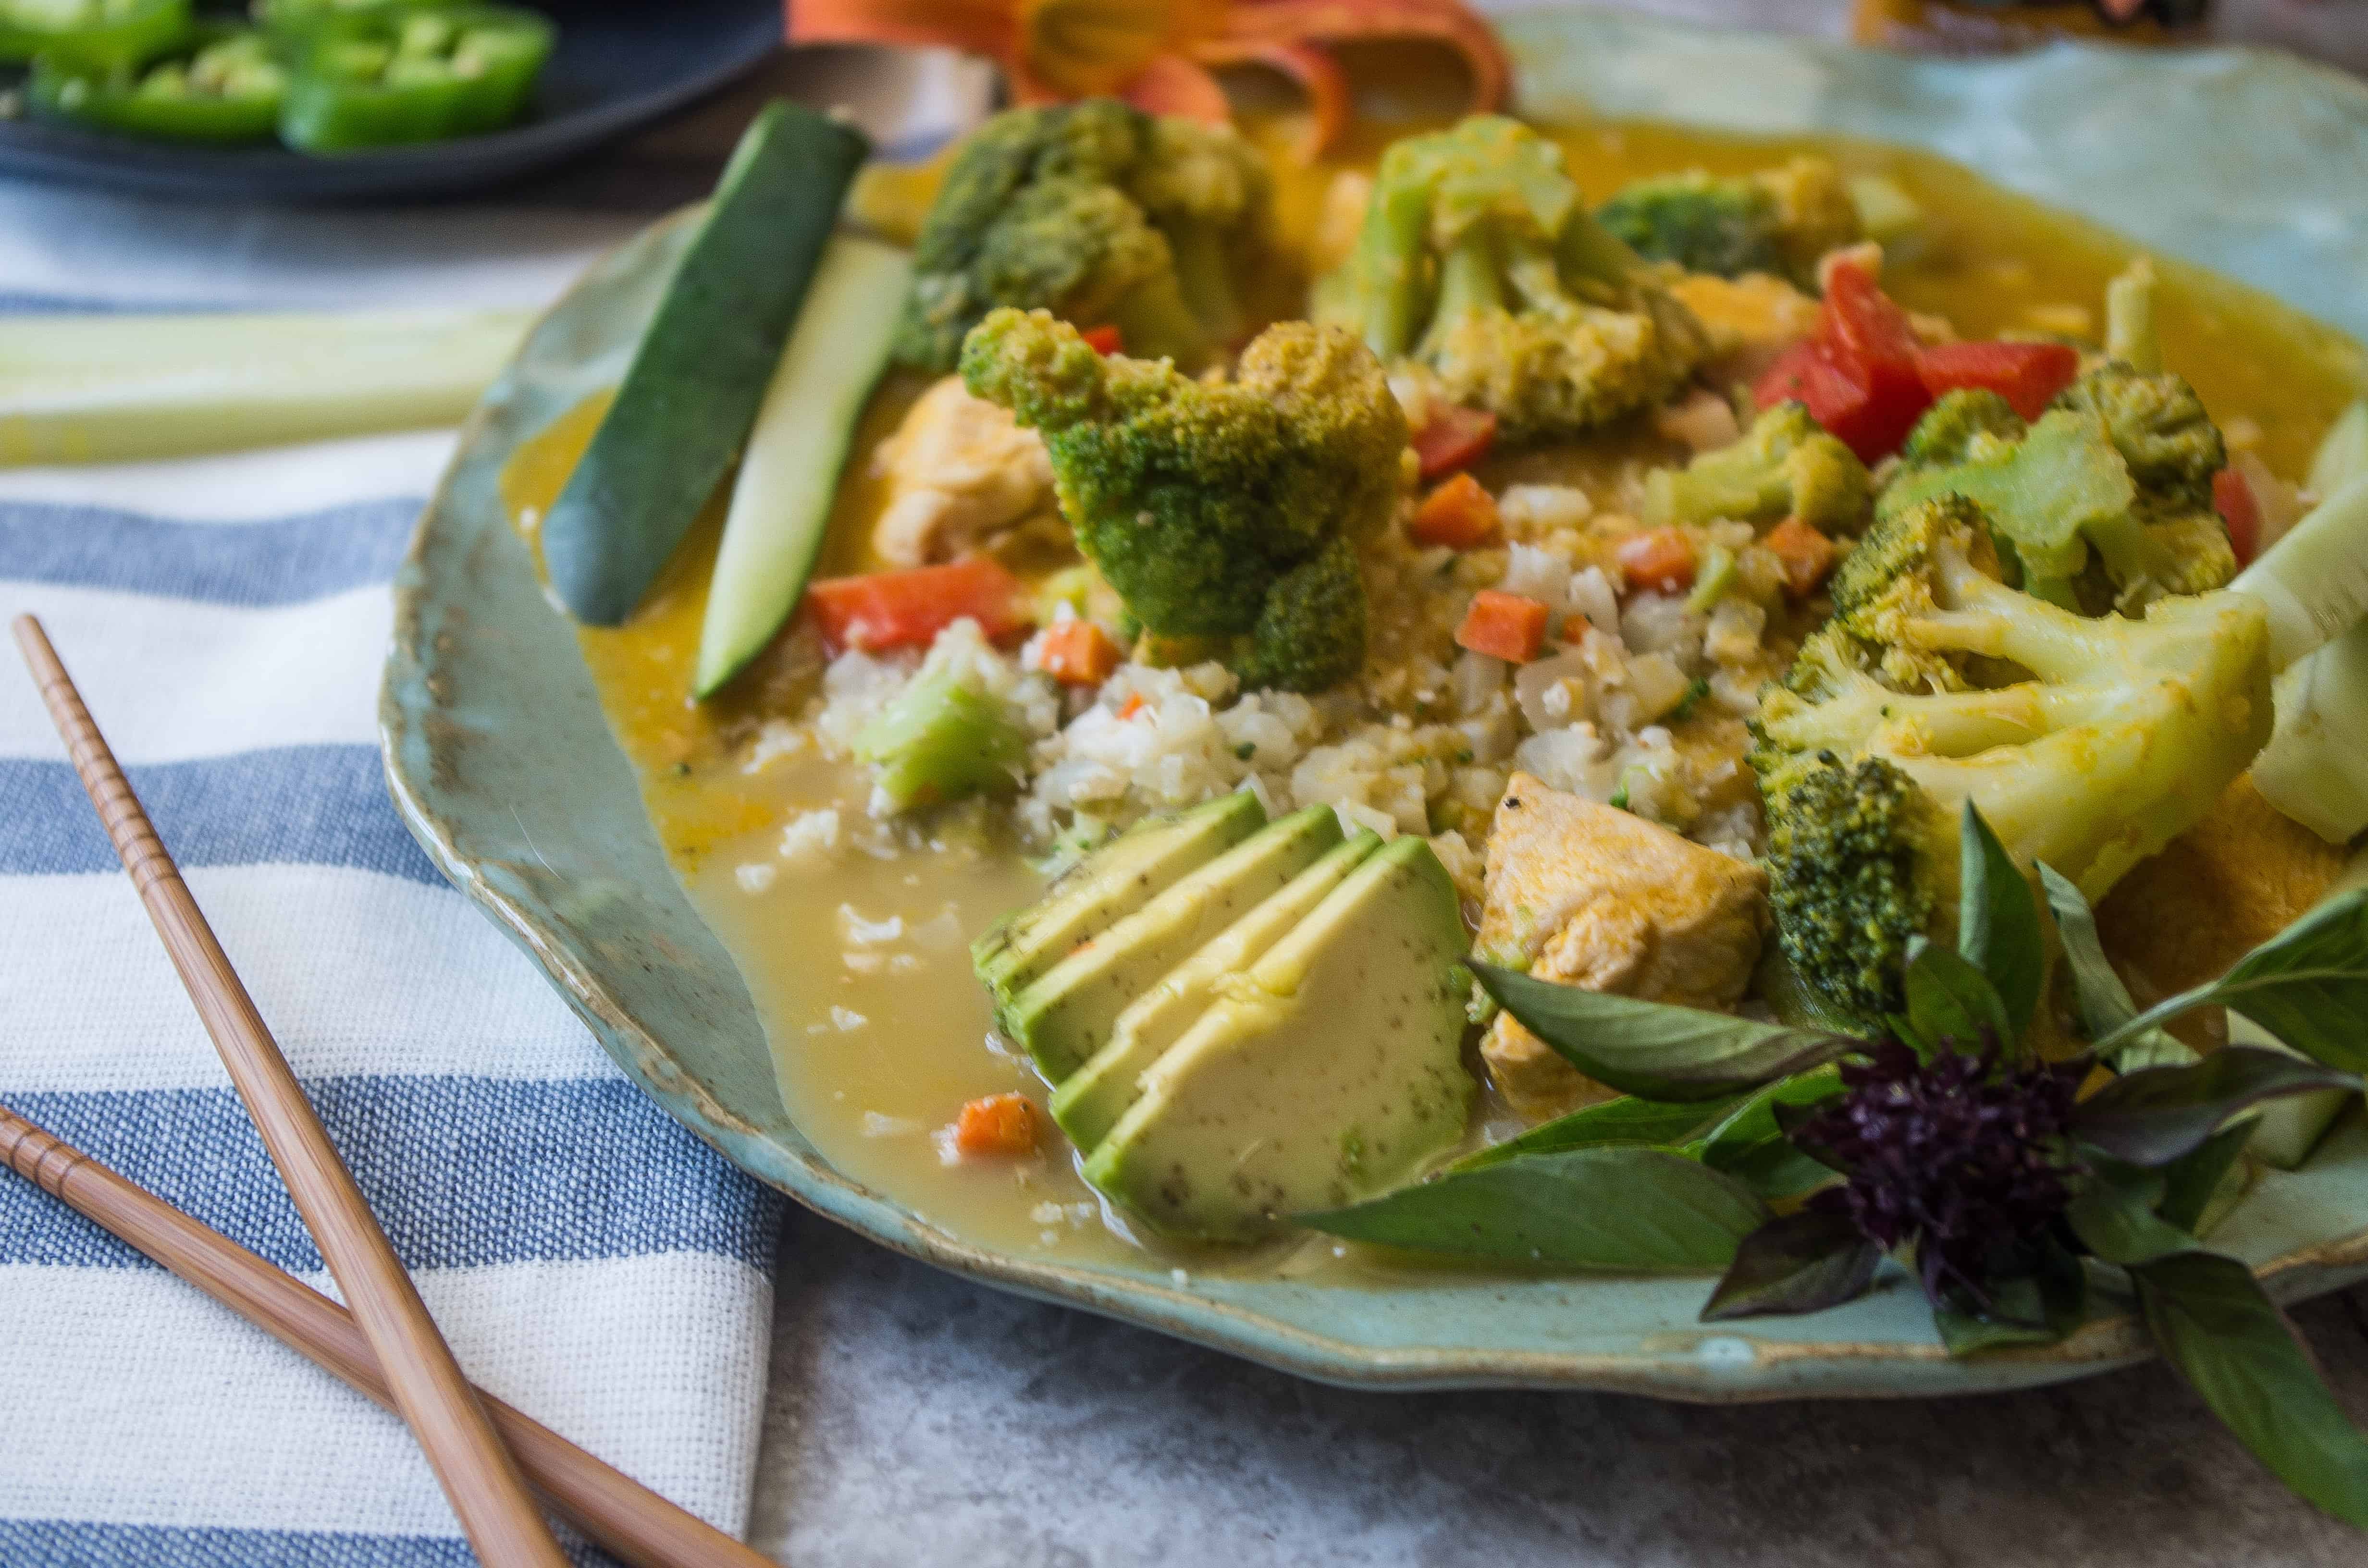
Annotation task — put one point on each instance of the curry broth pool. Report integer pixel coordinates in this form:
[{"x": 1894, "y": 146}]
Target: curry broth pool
[{"x": 860, "y": 968}]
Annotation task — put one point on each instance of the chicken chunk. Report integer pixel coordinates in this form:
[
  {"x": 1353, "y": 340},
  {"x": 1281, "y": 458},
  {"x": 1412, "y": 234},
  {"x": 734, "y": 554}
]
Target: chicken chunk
[
  {"x": 1594, "y": 896},
  {"x": 957, "y": 470}
]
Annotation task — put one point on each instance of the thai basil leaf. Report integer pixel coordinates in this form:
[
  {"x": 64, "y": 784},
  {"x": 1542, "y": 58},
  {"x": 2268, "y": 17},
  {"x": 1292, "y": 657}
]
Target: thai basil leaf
[
  {"x": 1804, "y": 1263},
  {"x": 1623, "y": 1120},
  {"x": 1949, "y": 1000},
  {"x": 2307, "y": 986},
  {"x": 2192, "y": 1182},
  {"x": 1906, "y": 1034},
  {"x": 1997, "y": 924},
  {"x": 1653, "y": 1051},
  {"x": 1749, "y": 1142},
  {"x": 2213, "y": 1323},
  {"x": 2039, "y": 1307},
  {"x": 1635, "y": 1209},
  {"x": 2113, "y": 1215},
  {"x": 2105, "y": 1002},
  {"x": 1775, "y": 1169},
  {"x": 2155, "y": 1115}
]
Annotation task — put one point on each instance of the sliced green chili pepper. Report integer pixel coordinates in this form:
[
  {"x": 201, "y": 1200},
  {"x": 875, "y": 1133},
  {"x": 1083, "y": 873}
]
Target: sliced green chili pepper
[
  {"x": 220, "y": 85},
  {"x": 297, "y": 15},
  {"x": 98, "y": 32},
  {"x": 380, "y": 78}
]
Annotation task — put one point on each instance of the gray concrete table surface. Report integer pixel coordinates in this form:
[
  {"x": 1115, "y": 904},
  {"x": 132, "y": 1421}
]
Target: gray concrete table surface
[{"x": 915, "y": 1418}]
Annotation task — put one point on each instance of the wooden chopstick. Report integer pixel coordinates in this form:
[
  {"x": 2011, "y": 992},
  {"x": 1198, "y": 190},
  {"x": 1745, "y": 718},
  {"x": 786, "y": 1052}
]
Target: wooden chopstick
[
  {"x": 478, "y": 1474},
  {"x": 628, "y": 1518}
]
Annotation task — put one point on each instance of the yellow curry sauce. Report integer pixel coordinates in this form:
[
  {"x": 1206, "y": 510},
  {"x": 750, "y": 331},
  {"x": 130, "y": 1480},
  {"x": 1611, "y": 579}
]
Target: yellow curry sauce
[{"x": 859, "y": 967}]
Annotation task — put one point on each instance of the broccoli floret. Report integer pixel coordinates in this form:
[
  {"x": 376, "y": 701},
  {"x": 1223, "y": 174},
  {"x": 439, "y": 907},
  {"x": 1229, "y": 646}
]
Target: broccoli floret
[
  {"x": 1099, "y": 212},
  {"x": 1778, "y": 221},
  {"x": 1971, "y": 422},
  {"x": 939, "y": 740},
  {"x": 1785, "y": 465},
  {"x": 2088, "y": 744},
  {"x": 2104, "y": 503},
  {"x": 1848, "y": 845},
  {"x": 1226, "y": 511},
  {"x": 2158, "y": 426},
  {"x": 1884, "y": 587},
  {"x": 1478, "y": 263},
  {"x": 1210, "y": 194}
]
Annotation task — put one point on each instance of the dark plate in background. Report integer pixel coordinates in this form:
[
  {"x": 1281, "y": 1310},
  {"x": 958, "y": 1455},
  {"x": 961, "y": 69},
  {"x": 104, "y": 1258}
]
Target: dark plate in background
[{"x": 618, "y": 66}]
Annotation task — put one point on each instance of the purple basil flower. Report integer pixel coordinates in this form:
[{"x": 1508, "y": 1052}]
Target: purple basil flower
[{"x": 1968, "y": 1162}]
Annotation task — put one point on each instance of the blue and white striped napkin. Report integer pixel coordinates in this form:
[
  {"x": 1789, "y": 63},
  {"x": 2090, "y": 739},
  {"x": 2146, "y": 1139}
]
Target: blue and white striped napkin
[{"x": 589, "y": 1260}]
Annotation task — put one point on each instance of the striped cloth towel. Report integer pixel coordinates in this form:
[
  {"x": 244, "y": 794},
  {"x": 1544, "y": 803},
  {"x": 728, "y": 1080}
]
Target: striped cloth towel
[{"x": 589, "y": 1260}]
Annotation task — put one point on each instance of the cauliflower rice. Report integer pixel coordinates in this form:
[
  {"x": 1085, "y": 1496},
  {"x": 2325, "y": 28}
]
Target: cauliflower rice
[{"x": 1638, "y": 701}]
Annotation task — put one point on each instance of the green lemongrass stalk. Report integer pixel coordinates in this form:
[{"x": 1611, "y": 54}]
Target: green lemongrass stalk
[
  {"x": 77, "y": 389},
  {"x": 2130, "y": 334}
]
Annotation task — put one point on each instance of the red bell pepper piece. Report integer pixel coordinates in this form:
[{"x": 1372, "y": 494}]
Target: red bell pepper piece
[
  {"x": 1873, "y": 396},
  {"x": 2028, "y": 375},
  {"x": 2239, "y": 507},
  {"x": 1452, "y": 437},
  {"x": 908, "y": 610},
  {"x": 1104, "y": 340}
]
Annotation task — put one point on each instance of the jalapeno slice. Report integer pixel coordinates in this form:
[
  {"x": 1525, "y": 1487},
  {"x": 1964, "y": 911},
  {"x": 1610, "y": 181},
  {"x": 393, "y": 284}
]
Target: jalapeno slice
[
  {"x": 220, "y": 85},
  {"x": 380, "y": 78},
  {"x": 96, "y": 32}
]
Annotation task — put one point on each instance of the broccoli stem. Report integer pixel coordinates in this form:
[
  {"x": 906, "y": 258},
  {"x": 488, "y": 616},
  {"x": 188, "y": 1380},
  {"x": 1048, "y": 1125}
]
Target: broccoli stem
[
  {"x": 1470, "y": 277},
  {"x": 938, "y": 741},
  {"x": 1588, "y": 250},
  {"x": 1389, "y": 262},
  {"x": 1155, "y": 322},
  {"x": 1205, "y": 275}
]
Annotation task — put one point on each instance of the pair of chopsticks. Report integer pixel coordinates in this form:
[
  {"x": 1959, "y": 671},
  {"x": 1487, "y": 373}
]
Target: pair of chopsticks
[{"x": 386, "y": 1346}]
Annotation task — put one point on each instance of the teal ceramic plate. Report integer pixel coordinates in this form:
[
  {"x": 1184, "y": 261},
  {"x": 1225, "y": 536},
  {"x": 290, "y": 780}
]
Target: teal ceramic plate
[{"x": 499, "y": 757}]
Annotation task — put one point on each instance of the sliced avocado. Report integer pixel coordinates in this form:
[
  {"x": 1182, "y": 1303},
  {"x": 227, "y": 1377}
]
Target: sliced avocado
[
  {"x": 1320, "y": 1076},
  {"x": 1091, "y": 1099},
  {"x": 1105, "y": 888},
  {"x": 1066, "y": 1016}
]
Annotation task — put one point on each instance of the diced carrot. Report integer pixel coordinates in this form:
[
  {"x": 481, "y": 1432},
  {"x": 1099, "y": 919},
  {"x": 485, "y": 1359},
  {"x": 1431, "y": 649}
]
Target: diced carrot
[
  {"x": 1658, "y": 559},
  {"x": 996, "y": 1126},
  {"x": 1077, "y": 652},
  {"x": 1807, "y": 555},
  {"x": 908, "y": 609},
  {"x": 1104, "y": 340},
  {"x": 1459, "y": 513},
  {"x": 1132, "y": 705},
  {"x": 1504, "y": 626},
  {"x": 2233, "y": 498},
  {"x": 2028, "y": 375},
  {"x": 1452, "y": 437}
]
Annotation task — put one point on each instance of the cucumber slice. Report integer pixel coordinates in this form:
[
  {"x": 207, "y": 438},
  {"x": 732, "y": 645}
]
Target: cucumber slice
[
  {"x": 781, "y": 504},
  {"x": 702, "y": 367},
  {"x": 2313, "y": 582}
]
